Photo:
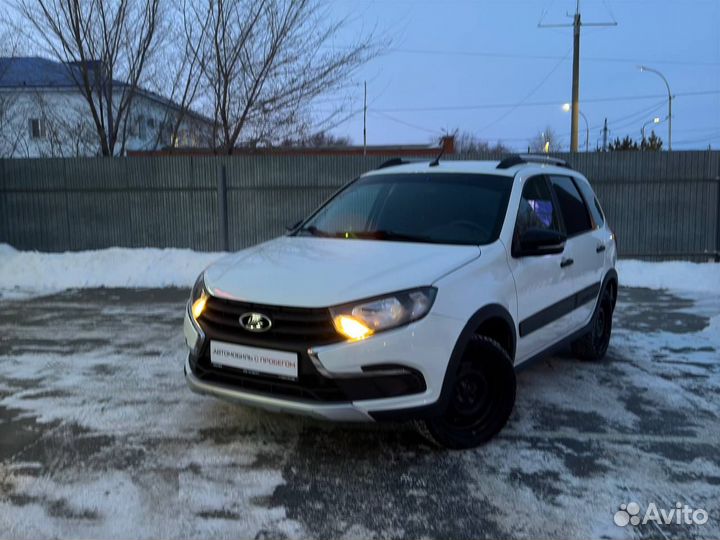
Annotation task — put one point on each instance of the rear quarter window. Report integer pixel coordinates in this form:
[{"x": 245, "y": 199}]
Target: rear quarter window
[
  {"x": 592, "y": 202},
  {"x": 572, "y": 205}
]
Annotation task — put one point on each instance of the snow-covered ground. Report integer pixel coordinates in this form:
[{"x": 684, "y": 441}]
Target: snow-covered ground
[
  {"x": 24, "y": 273},
  {"x": 100, "y": 438}
]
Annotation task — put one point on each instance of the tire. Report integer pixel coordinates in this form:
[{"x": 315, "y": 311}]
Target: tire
[
  {"x": 481, "y": 400},
  {"x": 593, "y": 345}
]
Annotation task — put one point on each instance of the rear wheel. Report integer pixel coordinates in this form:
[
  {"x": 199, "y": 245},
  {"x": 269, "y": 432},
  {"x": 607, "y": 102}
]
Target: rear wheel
[
  {"x": 594, "y": 344},
  {"x": 481, "y": 400}
]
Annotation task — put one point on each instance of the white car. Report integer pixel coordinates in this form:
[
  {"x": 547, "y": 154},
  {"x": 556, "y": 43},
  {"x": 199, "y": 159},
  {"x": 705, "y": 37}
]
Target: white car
[{"x": 412, "y": 294}]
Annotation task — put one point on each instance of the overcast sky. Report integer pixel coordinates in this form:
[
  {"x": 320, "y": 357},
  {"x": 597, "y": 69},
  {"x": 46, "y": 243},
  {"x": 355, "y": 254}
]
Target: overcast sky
[{"x": 501, "y": 77}]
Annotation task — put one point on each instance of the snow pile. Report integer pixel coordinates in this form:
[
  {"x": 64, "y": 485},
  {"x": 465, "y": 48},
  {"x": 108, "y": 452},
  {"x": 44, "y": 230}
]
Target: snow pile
[
  {"x": 676, "y": 275},
  {"x": 23, "y": 272},
  {"x": 32, "y": 272}
]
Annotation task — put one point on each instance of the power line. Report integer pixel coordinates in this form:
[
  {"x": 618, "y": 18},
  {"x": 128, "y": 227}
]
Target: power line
[
  {"x": 408, "y": 124},
  {"x": 541, "y": 103},
  {"x": 703, "y": 139},
  {"x": 521, "y": 56},
  {"x": 528, "y": 96}
]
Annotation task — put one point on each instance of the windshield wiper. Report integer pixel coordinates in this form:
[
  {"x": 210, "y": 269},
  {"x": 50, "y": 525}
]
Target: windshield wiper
[{"x": 314, "y": 231}]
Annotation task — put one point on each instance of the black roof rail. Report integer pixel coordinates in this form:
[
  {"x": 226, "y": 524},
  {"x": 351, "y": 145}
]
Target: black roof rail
[
  {"x": 519, "y": 159},
  {"x": 393, "y": 162}
]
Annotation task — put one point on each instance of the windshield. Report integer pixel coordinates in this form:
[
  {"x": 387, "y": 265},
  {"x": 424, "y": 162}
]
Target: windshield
[{"x": 448, "y": 208}]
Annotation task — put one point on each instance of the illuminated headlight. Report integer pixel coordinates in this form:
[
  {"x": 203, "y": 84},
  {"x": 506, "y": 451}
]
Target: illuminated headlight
[
  {"x": 198, "y": 297},
  {"x": 362, "y": 319}
]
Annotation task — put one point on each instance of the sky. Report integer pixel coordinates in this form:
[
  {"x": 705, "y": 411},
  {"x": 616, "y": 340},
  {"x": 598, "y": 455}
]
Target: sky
[{"x": 484, "y": 67}]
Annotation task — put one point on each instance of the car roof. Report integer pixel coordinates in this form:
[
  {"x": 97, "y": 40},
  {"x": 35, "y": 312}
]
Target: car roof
[{"x": 468, "y": 166}]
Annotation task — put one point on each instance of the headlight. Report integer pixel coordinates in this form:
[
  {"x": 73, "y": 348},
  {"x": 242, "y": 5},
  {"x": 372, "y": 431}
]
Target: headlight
[
  {"x": 362, "y": 319},
  {"x": 198, "y": 296}
]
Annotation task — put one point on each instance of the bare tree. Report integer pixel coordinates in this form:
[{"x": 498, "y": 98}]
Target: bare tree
[
  {"x": 175, "y": 70},
  {"x": 545, "y": 141},
  {"x": 262, "y": 62},
  {"x": 469, "y": 143},
  {"x": 68, "y": 132},
  {"x": 320, "y": 139},
  {"x": 106, "y": 45},
  {"x": 11, "y": 138}
]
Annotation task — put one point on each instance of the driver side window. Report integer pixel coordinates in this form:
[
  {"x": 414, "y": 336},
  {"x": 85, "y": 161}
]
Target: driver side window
[{"x": 537, "y": 210}]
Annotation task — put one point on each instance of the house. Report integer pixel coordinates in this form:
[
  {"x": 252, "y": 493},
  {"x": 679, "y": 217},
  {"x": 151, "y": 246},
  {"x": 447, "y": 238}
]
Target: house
[{"x": 44, "y": 114}]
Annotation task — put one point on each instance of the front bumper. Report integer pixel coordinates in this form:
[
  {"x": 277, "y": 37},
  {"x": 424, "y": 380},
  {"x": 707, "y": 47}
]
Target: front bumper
[
  {"x": 339, "y": 412},
  {"x": 353, "y": 380}
]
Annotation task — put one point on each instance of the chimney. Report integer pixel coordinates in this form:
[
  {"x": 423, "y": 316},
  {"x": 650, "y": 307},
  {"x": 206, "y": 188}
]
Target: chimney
[{"x": 447, "y": 143}]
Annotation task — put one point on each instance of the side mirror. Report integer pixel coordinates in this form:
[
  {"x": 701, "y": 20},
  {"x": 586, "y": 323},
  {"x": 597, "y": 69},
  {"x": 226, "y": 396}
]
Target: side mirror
[
  {"x": 291, "y": 228},
  {"x": 535, "y": 242}
]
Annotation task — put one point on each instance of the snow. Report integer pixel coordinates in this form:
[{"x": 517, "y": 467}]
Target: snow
[
  {"x": 127, "y": 451},
  {"x": 30, "y": 273},
  {"x": 676, "y": 275},
  {"x": 124, "y": 450}
]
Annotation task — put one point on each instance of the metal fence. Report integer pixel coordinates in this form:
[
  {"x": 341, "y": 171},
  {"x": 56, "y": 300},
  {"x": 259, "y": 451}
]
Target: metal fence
[{"x": 661, "y": 205}]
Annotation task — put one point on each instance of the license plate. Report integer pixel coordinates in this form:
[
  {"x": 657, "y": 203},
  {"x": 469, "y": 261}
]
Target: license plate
[{"x": 265, "y": 361}]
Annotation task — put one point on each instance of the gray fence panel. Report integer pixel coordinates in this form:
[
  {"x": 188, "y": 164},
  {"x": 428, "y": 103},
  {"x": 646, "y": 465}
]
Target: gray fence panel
[{"x": 661, "y": 205}]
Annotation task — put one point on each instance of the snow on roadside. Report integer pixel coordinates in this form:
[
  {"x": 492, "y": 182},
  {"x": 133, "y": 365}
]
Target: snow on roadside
[
  {"x": 676, "y": 275},
  {"x": 26, "y": 273}
]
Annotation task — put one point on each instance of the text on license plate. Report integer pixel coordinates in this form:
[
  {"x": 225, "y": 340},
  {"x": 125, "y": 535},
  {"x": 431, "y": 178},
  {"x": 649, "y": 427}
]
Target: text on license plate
[{"x": 280, "y": 363}]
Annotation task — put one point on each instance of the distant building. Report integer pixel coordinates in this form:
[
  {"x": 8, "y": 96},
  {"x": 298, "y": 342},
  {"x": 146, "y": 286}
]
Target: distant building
[{"x": 43, "y": 114}]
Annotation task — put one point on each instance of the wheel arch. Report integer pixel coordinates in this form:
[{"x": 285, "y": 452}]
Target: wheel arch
[
  {"x": 492, "y": 316},
  {"x": 610, "y": 281}
]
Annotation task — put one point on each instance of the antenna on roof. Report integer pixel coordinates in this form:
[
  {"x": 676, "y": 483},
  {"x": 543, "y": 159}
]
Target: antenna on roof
[{"x": 435, "y": 162}]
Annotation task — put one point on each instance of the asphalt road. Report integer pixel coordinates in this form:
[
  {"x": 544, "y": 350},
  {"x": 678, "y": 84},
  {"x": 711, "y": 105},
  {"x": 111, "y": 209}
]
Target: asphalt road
[{"x": 99, "y": 437}]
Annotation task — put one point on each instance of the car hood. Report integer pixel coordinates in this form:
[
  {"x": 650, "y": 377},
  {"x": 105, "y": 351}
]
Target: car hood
[{"x": 321, "y": 272}]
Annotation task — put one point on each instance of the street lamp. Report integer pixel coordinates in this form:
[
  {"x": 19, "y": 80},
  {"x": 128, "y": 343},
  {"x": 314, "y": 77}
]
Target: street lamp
[
  {"x": 655, "y": 120},
  {"x": 567, "y": 108},
  {"x": 670, "y": 98}
]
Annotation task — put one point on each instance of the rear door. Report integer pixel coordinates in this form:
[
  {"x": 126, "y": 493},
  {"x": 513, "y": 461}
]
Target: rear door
[{"x": 583, "y": 256}]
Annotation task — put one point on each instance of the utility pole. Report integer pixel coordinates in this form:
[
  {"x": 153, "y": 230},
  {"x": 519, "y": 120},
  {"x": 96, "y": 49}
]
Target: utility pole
[
  {"x": 605, "y": 135},
  {"x": 575, "y": 114},
  {"x": 365, "y": 121}
]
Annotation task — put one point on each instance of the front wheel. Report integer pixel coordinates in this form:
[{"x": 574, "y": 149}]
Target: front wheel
[
  {"x": 594, "y": 344},
  {"x": 481, "y": 400}
]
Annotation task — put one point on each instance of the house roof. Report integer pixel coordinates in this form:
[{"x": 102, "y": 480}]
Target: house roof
[{"x": 35, "y": 72}]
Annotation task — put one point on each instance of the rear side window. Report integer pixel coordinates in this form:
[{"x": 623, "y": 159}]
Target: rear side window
[
  {"x": 592, "y": 202},
  {"x": 574, "y": 212}
]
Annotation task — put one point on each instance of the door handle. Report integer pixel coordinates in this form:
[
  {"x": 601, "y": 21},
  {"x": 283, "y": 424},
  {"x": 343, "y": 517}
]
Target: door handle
[
  {"x": 600, "y": 248},
  {"x": 566, "y": 262}
]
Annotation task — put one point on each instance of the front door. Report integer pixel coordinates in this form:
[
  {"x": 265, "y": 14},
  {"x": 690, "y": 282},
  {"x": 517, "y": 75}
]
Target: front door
[{"x": 540, "y": 280}]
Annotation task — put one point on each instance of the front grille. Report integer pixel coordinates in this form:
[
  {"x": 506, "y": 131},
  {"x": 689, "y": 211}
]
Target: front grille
[{"x": 292, "y": 328}]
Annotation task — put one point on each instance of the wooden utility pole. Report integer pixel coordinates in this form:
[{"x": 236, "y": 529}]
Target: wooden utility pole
[{"x": 575, "y": 111}]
